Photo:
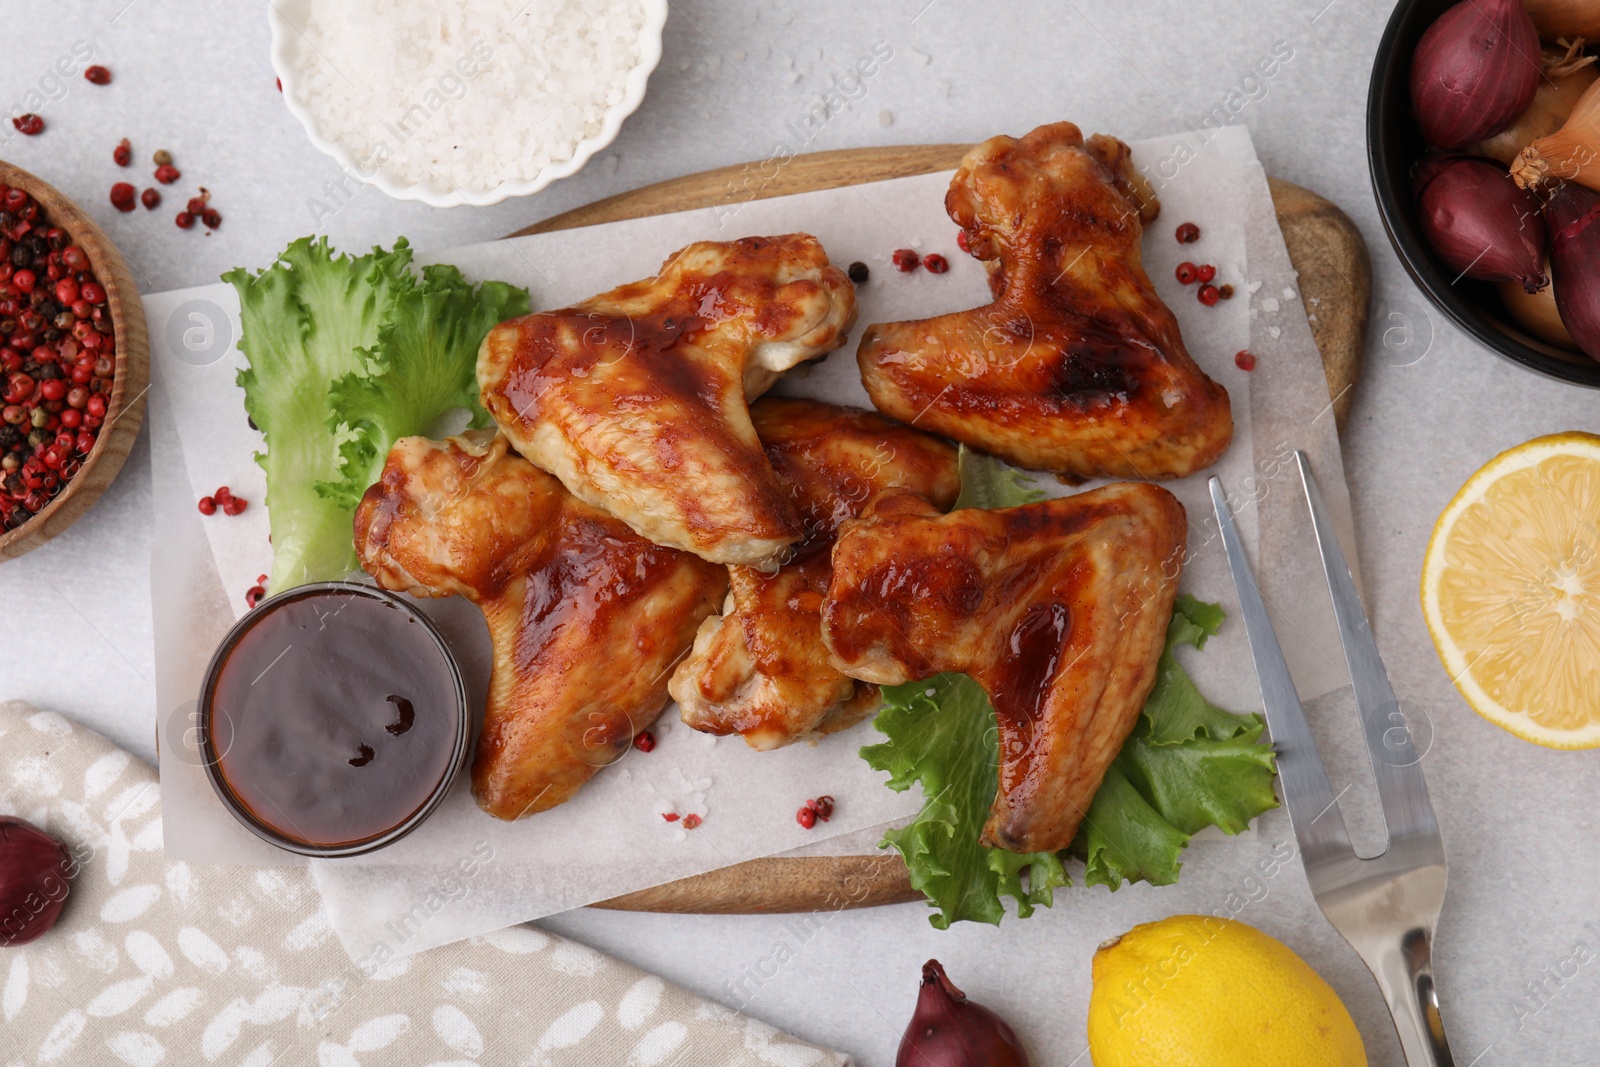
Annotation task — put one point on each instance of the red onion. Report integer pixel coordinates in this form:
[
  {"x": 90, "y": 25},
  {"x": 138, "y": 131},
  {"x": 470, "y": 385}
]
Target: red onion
[
  {"x": 1479, "y": 222},
  {"x": 1475, "y": 70},
  {"x": 33, "y": 881},
  {"x": 948, "y": 1030},
  {"x": 1573, "y": 214}
]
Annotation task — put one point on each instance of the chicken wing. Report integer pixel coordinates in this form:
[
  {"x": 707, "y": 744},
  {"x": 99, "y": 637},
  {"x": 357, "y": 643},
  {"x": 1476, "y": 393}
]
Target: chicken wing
[
  {"x": 586, "y": 617},
  {"x": 1077, "y": 367},
  {"x": 1058, "y": 610},
  {"x": 636, "y": 398},
  {"x": 760, "y": 668}
]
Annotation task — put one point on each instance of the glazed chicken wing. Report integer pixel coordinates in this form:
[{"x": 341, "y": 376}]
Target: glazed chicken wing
[
  {"x": 1077, "y": 367},
  {"x": 636, "y": 398},
  {"x": 760, "y": 668},
  {"x": 587, "y": 618},
  {"x": 1059, "y": 610}
]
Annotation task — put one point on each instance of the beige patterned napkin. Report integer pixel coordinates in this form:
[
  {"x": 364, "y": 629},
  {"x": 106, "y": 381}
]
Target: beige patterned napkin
[{"x": 168, "y": 963}]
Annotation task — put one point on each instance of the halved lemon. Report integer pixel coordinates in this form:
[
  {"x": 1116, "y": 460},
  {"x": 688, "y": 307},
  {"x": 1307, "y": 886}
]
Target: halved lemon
[{"x": 1511, "y": 590}]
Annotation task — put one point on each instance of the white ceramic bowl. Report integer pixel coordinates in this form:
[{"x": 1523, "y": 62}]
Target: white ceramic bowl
[{"x": 286, "y": 16}]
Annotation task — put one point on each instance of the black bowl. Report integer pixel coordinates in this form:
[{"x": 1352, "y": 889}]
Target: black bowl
[{"x": 1394, "y": 144}]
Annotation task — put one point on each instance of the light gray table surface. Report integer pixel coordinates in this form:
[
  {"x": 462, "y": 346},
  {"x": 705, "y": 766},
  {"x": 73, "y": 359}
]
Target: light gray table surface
[{"x": 1518, "y": 955}]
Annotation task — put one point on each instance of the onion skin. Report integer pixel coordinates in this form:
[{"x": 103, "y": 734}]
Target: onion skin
[
  {"x": 1572, "y": 153},
  {"x": 1573, "y": 216},
  {"x": 1555, "y": 19},
  {"x": 34, "y": 881},
  {"x": 1479, "y": 223},
  {"x": 1475, "y": 70},
  {"x": 1558, "y": 93},
  {"x": 1536, "y": 312},
  {"x": 948, "y": 1030}
]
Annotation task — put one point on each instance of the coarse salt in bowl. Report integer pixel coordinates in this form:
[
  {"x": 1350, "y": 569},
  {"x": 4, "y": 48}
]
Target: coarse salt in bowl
[{"x": 455, "y": 102}]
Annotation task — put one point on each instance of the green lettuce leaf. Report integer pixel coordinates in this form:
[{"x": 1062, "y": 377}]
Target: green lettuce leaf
[
  {"x": 987, "y": 482},
  {"x": 942, "y": 733},
  {"x": 1187, "y": 765},
  {"x": 422, "y": 367},
  {"x": 305, "y": 320},
  {"x": 346, "y": 355}
]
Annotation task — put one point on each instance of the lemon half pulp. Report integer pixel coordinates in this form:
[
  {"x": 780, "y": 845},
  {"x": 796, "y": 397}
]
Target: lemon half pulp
[{"x": 1511, "y": 590}]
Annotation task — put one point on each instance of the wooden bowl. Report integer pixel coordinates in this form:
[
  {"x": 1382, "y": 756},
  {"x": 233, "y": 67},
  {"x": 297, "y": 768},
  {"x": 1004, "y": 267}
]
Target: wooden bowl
[{"x": 125, "y": 409}]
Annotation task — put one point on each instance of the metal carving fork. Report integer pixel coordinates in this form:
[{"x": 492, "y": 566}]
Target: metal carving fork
[{"x": 1386, "y": 906}]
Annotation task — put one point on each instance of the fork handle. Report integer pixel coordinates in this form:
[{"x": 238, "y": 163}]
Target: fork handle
[{"x": 1405, "y": 974}]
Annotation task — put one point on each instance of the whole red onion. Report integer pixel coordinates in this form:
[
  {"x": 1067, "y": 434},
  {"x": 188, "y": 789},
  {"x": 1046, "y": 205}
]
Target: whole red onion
[
  {"x": 34, "y": 869},
  {"x": 1573, "y": 215},
  {"x": 948, "y": 1030},
  {"x": 1475, "y": 70},
  {"x": 1479, "y": 222}
]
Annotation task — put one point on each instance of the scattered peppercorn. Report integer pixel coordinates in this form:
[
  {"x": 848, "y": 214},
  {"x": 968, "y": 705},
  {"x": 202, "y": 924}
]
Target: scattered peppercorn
[
  {"x": 824, "y": 807},
  {"x": 197, "y": 204},
  {"x": 150, "y": 199},
  {"x": 1205, "y": 272},
  {"x": 208, "y": 506},
  {"x": 935, "y": 263},
  {"x": 906, "y": 260},
  {"x": 1208, "y": 295},
  {"x": 691, "y": 821},
  {"x": 212, "y": 219},
  {"x": 97, "y": 75},
  {"x": 1188, "y": 233},
  {"x": 123, "y": 153},
  {"x": 859, "y": 273},
  {"x": 184, "y": 220},
  {"x": 166, "y": 174},
  {"x": 29, "y": 125},
  {"x": 1225, "y": 291},
  {"x": 670, "y": 816},
  {"x": 806, "y": 817},
  {"x": 645, "y": 741},
  {"x": 235, "y": 505},
  {"x": 253, "y": 595},
  {"x": 122, "y": 196},
  {"x": 1244, "y": 360},
  {"x": 1186, "y": 272},
  {"x": 962, "y": 242},
  {"x": 161, "y": 158}
]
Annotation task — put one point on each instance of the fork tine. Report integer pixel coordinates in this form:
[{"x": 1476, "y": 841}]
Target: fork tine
[
  {"x": 1401, "y": 790},
  {"x": 1313, "y": 808}
]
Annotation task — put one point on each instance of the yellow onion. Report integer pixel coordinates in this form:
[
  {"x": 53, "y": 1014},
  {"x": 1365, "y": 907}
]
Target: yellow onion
[
  {"x": 1565, "y": 18},
  {"x": 1567, "y": 73},
  {"x": 1475, "y": 70},
  {"x": 948, "y": 1030},
  {"x": 1573, "y": 217},
  {"x": 1572, "y": 153},
  {"x": 34, "y": 870},
  {"x": 1536, "y": 312},
  {"x": 1479, "y": 223}
]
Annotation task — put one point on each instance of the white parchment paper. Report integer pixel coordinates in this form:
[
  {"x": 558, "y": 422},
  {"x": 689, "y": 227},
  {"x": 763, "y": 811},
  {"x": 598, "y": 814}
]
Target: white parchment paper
[{"x": 611, "y": 838}]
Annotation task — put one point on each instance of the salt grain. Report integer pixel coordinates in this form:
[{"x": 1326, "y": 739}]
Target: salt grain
[{"x": 464, "y": 96}]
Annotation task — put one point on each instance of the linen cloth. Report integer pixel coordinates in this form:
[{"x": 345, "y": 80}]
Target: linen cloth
[{"x": 156, "y": 962}]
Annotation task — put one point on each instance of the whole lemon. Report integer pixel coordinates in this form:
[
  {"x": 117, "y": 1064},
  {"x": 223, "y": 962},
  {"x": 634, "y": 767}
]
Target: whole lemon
[{"x": 1198, "y": 991}]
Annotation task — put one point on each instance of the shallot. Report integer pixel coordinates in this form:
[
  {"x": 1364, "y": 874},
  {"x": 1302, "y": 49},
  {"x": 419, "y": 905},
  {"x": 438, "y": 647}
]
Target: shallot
[
  {"x": 948, "y": 1030},
  {"x": 1565, "y": 18},
  {"x": 1536, "y": 312},
  {"x": 1475, "y": 70},
  {"x": 34, "y": 872},
  {"x": 1479, "y": 222},
  {"x": 1567, "y": 73},
  {"x": 1571, "y": 153},
  {"x": 1572, "y": 215}
]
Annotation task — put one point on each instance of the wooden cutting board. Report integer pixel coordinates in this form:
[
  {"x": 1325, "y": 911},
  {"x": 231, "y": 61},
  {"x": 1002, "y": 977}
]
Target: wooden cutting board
[{"x": 1335, "y": 278}]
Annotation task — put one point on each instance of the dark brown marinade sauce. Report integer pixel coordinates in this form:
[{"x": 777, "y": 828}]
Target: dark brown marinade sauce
[{"x": 334, "y": 718}]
